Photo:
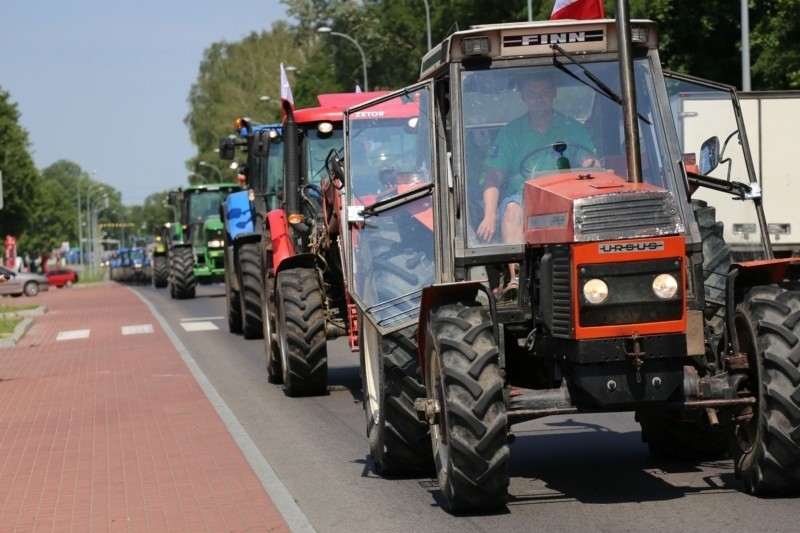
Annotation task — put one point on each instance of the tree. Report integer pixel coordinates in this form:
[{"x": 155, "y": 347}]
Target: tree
[
  {"x": 232, "y": 78},
  {"x": 21, "y": 180},
  {"x": 777, "y": 62}
]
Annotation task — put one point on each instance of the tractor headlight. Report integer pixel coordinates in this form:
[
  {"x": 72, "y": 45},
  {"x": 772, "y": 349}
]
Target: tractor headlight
[
  {"x": 215, "y": 244},
  {"x": 665, "y": 286},
  {"x": 595, "y": 291}
]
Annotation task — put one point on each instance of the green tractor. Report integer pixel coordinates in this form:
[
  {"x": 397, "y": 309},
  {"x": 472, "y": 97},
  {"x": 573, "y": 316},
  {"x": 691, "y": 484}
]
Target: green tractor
[{"x": 194, "y": 244}]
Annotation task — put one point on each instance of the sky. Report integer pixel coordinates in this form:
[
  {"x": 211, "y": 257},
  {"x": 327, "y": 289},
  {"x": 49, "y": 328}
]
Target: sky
[{"x": 105, "y": 83}]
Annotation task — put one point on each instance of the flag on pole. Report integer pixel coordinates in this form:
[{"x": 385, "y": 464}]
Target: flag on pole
[
  {"x": 578, "y": 9},
  {"x": 286, "y": 91}
]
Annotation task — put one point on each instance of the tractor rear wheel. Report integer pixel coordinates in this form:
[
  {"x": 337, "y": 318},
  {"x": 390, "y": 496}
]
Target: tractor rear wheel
[
  {"x": 160, "y": 272},
  {"x": 716, "y": 260},
  {"x": 250, "y": 295},
  {"x": 766, "y": 448},
  {"x": 470, "y": 439},
  {"x": 300, "y": 318},
  {"x": 183, "y": 280},
  {"x": 399, "y": 442},
  {"x": 232, "y": 304}
]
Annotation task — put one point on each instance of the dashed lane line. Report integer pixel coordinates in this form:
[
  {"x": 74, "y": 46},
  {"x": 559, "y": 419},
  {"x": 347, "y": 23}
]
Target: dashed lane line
[
  {"x": 199, "y": 326},
  {"x": 136, "y": 330},
  {"x": 73, "y": 334}
]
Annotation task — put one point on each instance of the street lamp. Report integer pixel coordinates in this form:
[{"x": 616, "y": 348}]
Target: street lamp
[
  {"x": 213, "y": 167},
  {"x": 327, "y": 30}
]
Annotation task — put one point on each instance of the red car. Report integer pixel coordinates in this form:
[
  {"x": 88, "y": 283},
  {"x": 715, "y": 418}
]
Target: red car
[{"x": 62, "y": 277}]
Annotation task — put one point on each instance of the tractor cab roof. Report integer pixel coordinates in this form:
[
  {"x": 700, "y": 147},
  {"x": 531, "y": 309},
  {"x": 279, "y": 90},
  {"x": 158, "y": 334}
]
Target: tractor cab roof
[{"x": 332, "y": 105}]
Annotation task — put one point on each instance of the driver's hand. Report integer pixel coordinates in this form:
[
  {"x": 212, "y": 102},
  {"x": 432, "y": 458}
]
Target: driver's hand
[{"x": 486, "y": 229}]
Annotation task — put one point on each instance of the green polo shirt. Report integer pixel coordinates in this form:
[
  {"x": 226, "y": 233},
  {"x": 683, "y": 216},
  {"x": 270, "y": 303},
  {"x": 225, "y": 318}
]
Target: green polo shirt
[{"x": 518, "y": 138}]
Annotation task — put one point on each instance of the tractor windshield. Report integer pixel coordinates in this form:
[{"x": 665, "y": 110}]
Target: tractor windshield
[
  {"x": 390, "y": 211},
  {"x": 266, "y": 174},
  {"x": 319, "y": 145},
  {"x": 524, "y": 122},
  {"x": 721, "y": 173}
]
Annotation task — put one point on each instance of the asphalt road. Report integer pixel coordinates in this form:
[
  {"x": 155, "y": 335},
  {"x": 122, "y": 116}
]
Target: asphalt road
[{"x": 568, "y": 473}]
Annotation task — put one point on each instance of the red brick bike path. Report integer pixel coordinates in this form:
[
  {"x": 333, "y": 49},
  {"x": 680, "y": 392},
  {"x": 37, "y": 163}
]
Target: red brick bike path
[{"x": 112, "y": 432}]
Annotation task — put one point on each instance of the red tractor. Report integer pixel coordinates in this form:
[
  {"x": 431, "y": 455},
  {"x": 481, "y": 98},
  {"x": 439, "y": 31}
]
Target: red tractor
[
  {"x": 306, "y": 302},
  {"x": 620, "y": 290}
]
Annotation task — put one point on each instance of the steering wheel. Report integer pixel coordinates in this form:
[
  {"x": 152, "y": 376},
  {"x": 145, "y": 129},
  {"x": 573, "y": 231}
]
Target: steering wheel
[{"x": 527, "y": 165}]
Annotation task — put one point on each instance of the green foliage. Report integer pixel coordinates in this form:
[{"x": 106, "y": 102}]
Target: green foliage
[
  {"x": 21, "y": 180},
  {"x": 232, "y": 78},
  {"x": 774, "y": 37}
]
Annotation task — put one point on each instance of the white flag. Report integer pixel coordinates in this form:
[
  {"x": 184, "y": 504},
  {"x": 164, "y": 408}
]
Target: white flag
[{"x": 286, "y": 91}]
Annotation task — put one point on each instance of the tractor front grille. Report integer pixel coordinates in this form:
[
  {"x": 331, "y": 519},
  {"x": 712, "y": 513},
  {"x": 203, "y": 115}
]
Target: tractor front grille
[{"x": 626, "y": 215}]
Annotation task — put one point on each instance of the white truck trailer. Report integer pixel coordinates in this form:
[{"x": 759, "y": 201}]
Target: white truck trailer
[{"x": 772, "y": 121}]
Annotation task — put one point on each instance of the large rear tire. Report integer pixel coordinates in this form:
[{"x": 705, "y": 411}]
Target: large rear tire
[
  {"x": 160, "y": 272},
  {"x": 183, "y": 279},
  {"x": 717, "y": 257},
  {"x": 300, "y": 318},
  {"x": 399, "y": 443},
  {"x": 250, "y": 296},
  {"x": 233, "y": 306},
  {"x": 470, "y": 440},
  {"x": 766, "y": 448}
]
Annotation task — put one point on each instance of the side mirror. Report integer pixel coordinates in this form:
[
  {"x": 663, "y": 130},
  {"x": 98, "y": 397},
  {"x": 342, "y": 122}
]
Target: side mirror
[
  {"x": 172, "y": 198},
  {"x": 709, "y": 155},
  {"x": 259, "y": 146},
  {"x": 226, "y": 149},
  {"x": 334, "y": 164}
]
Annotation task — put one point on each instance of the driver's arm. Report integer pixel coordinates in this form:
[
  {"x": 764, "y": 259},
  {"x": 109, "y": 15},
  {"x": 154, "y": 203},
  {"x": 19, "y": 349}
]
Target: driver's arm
[{"x": 491, "y": 199}]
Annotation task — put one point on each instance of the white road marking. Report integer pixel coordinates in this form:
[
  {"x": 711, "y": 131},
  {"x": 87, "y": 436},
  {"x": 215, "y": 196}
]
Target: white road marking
[
  {"x": 202, "y": 318},
  {"x": 74, "y": 334},
  {"x": 198, "y": 326},
  {"x": 135, "y": 330}
]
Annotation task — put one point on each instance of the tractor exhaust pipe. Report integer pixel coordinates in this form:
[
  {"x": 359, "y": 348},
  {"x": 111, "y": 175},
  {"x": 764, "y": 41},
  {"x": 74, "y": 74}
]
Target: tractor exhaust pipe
[
  {"x": 628, "y": 92},
  {"x": 291, "y": 167}
]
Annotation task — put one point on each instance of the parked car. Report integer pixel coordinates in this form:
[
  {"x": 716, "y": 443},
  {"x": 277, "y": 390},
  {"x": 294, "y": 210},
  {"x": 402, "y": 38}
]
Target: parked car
[
  {"x": 62, "y": 277},
  {"x": 19, "y": 283}
]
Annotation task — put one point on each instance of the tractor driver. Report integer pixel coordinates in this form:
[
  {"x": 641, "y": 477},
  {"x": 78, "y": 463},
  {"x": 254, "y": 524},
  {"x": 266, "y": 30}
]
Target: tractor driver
[{"x": 528, "y": 140}]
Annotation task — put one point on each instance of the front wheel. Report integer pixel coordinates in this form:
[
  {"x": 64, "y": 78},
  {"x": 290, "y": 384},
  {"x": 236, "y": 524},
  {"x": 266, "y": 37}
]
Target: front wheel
[
  {"x": 160, "y": 272},
  {"x": 470, "y": 439},
  {"x": 766, "y": 447},
  {"x": 399, "y": 443},
  {"x": 31, "y": 288},
  {"x": 300, "y": 318},
  {"x": 183, "y": 279}
]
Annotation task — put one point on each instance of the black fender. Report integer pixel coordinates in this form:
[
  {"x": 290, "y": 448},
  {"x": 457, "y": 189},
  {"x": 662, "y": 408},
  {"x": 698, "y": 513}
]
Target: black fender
[{"x": 435, "y": 296}]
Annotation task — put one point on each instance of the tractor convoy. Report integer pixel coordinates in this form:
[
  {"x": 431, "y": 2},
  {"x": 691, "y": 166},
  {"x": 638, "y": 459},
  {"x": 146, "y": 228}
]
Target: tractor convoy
[{"x": 524, "y": 232}]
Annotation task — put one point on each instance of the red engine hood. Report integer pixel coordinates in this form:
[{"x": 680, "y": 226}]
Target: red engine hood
[{"x": 549, "y": 204}]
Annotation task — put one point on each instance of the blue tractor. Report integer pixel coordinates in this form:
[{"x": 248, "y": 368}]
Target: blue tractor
[{"x": 243, "y": 213}]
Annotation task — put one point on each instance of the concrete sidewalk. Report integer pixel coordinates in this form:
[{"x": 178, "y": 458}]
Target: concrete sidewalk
[{"x": 104, "y": 428}]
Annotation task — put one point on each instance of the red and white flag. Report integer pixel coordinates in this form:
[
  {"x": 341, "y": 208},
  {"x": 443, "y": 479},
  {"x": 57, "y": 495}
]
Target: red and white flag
[
  {"x": 286, "y": 91},
  {"x": 578, "y": 9}
]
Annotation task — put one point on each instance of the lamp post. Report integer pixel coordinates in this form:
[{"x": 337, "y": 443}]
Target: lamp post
[
  {"x": 80, "y": 218},
  {"x": 91, "y": 208},
  {"x": 90, "y": 188},
  {"x": 327, "y": 30},
  {"x": 214, "y": 168},
  {"x": 428, "y": 21}
]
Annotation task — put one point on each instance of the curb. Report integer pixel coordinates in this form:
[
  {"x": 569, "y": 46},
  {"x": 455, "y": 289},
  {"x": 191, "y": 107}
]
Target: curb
[{"x": 23, "y": 327}]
